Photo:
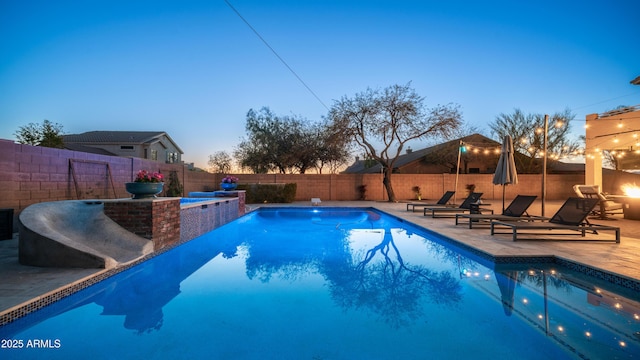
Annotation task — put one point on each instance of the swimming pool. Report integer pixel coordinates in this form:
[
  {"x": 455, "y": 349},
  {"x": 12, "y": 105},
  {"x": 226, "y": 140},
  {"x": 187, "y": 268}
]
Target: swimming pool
[
  {"x": 332, "y": 283},
  {"x": 188, "y": 201}
]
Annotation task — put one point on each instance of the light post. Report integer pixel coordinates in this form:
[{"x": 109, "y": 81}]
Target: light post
[
  {"x": 544, "y": 161},
  {"x": 455, "y": 191},
  {"x": 533, "y": 151},
  {"x": 382, "y": 175}
]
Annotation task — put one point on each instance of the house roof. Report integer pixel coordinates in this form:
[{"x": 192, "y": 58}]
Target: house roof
[
  {"x": 360, "y": 166},
  {"x": 88, "y": 149},
  {"x": 559, "y": 167},
  {"x": 118, "y": 137}
]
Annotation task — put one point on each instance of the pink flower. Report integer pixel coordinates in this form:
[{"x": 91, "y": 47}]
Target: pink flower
[
  {"x": 146, "y": 177},
  {"x": 229, "y": 179}
]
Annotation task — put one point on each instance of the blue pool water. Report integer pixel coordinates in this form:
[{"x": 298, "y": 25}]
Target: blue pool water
[
  {"x": 187, "y": 201},
  {"x": 305, "y": 283}
]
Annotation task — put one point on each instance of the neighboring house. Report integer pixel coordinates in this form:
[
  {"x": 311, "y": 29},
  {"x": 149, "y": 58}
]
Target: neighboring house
[
  {"x": 151, "y": 145},
  {"x": 480, "y": 157}
]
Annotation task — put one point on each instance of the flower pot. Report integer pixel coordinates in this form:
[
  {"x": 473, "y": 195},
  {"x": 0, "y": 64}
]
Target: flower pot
[
  {"x": 228, "y": 186},
  {"x": 144, "y": 190}
]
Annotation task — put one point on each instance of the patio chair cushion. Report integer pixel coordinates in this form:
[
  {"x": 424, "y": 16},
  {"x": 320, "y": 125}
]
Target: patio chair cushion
[
  {"x": 570, "y": 219},
  {"x": 606, "y": 206}
]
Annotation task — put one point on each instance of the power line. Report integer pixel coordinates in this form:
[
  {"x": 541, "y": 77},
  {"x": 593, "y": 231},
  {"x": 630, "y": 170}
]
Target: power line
[
  {"x": 276, "y": 54},
  {"x": 604, "y": 101}
]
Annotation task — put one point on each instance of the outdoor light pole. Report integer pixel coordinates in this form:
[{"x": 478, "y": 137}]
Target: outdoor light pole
[
  {"x": 382, "y": 175},
  {"x": 544, "y": 161},
  {"x": 455, "y": 191}
]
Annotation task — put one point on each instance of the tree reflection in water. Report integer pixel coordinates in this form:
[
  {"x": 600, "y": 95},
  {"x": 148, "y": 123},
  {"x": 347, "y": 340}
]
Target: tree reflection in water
[
  {"x": 384, "y": 283},
  {"x": 375, "y": 278}
]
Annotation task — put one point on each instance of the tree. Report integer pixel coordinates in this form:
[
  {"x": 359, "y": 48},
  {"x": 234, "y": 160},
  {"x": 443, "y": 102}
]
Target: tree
[
  {"x": 269, "y": 144},
  {"x": 220, "y": 162},
  {"x": 304, "y": 148},
  {"x": 333, "y": 149},
  {"x": 287, "y": 144},
  {"x": 47, "y": 134},
  {"x": 390, "y": 117},
  {"x": 527, "y": 133},
  {"x": 253, "y": 157}
]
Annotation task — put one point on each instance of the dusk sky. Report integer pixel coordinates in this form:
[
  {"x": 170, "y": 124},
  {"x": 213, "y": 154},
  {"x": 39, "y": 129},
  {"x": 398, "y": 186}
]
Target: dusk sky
[{"x": 194, "y": 68}]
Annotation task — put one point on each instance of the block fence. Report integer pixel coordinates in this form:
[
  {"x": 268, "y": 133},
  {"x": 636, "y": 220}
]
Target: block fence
[{"x": 32, "y": 174}]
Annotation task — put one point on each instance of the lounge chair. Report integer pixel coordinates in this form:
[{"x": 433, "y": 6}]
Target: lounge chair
[
  {"x": 606, "y": 206},
  {"x": 466, "y": 206},
  {"x": 444, "y": 201},
  {"x": 514, "y": 212},
  {"x": 570, "y": 219}
]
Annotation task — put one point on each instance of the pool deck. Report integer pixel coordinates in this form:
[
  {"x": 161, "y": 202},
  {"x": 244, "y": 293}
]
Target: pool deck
[{"x": 20, "y": 284}]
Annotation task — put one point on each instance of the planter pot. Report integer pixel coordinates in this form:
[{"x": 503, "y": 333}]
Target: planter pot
[
  {"x": 228, "y": 186},
  {"x": 141, "y": 190}
]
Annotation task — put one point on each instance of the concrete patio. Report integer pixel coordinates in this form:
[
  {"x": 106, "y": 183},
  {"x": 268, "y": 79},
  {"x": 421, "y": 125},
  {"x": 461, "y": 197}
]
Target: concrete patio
[{"x": 19, "y": 285}]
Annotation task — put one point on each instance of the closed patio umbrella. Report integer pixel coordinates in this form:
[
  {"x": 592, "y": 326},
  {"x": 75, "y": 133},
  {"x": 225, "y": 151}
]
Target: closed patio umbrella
[{"x": 506, "y": 170}]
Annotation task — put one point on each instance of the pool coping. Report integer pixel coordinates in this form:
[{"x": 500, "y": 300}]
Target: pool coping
[
  {"x": 18, "y": 311},
  {"x": 589, "y": 270},
  {"x": 15, "y": 312}
]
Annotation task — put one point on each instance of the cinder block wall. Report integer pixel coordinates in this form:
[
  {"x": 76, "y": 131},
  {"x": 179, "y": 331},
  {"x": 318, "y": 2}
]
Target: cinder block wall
[
  {"x": 30, "y": 174},
  {"x": 432, "y": 186}
]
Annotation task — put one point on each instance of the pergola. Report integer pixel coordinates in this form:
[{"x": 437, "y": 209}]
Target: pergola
[{"x": 617, "y": 132}]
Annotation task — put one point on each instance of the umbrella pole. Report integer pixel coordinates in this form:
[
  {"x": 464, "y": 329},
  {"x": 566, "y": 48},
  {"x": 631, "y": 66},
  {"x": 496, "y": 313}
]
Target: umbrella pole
[
  {"x": 544, "y": 161},
  {"x": 455, "y": 191},
  {"x": 503, "y": 191}
]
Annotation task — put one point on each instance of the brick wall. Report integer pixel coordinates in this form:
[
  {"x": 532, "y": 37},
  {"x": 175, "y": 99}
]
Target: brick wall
[{"x": 154, "y": 219}]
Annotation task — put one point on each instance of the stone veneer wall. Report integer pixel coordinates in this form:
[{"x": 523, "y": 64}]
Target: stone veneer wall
[
  {"x": 242, "y": 202},
  {"x": 241, "y": 195},
  {"x": 154, "y": 219},
  {"x": 201, "y": 218}
]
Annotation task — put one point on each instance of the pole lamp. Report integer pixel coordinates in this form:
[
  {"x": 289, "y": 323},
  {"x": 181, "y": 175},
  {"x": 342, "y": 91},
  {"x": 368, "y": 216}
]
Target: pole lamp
[
  {"x": 461, "y": 149},
  {"x": 544, "y": 161}
]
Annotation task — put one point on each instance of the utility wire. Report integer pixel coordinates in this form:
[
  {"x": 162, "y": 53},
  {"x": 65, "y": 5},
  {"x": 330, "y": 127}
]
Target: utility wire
[
  {"x": 276, "y": 54},
  {"x": 604, "y": 101}
]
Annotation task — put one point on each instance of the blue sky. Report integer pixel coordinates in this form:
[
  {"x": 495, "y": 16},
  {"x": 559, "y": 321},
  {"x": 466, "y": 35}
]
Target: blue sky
[{"x": 194, "y": 68}]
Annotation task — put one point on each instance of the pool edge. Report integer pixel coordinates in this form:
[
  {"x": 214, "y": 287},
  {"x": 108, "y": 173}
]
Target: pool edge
[{"x": 18, "y": 311}]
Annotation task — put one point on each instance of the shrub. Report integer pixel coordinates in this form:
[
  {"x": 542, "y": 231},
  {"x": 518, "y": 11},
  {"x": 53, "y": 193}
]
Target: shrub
[
  {"x": 269, "y": 193},
  {"x": 362, "y": 190},
  {"x": 174, "y": 188}
]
